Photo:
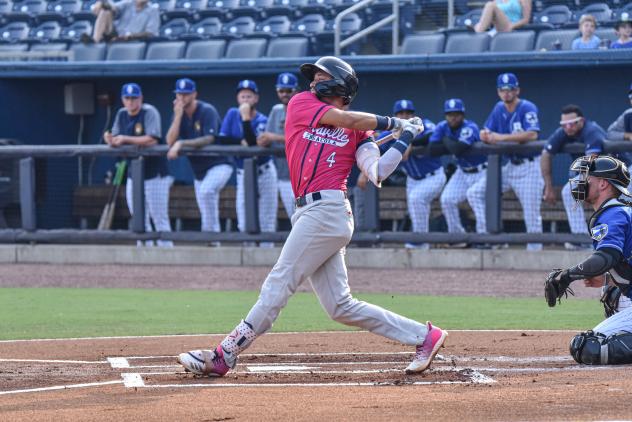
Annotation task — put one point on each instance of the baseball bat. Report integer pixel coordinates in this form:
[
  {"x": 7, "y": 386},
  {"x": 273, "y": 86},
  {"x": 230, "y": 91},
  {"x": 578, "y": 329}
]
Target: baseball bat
[{"x": 107, "y": 216}]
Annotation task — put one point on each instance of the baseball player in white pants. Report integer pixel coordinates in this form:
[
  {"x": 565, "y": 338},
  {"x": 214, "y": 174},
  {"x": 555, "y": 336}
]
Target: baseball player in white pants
[
  {"x": 207, "y": 193},
  {"x": 321, "y": 152},
  {"x": 156, "y": 206},
  {"x": 268, "y": 205}
]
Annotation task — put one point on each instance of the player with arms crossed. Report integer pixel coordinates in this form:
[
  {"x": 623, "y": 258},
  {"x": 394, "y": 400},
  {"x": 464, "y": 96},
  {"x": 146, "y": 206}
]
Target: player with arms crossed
[
  {"x": 323, "y": 142},
  {"x": 599, "y": 181}
]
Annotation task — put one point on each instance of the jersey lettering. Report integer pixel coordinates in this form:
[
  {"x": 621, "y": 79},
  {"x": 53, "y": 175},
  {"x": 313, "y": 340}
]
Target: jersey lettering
[{"x": 331, "y": 159}]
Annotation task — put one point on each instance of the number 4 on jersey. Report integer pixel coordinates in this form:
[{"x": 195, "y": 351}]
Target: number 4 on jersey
[{"x": 331, "y": 159}]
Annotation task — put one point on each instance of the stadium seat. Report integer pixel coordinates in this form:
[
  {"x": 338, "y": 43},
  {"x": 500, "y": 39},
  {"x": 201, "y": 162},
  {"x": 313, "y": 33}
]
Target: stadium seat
[
  {"x": 239, "y": 27},
  {"x": 45, "y": 32},
  {"x": 13, "y": 48},
  {"x": 172, "y": 50},
  {"x": 54, "y": 46},
  {"x": 423, "y": 44},
  {"x": 513, "y": 41},
  {"x": 60, "y": 10},
  {"x": 89, "y": 52},
  {"x": 221, "y": 9},
  {"x": 323, "y": 42},
  {"x": 322, "y": 7},
  {"x": 173, "y": 29},
  {"x": 14, "y": 32},
  {"x": 165, "y": 6},
  {"x": 126, "y": 51},
  {"x": 471, "y": 18},
  {"x": 256, "y": 9},
  {"x": 205, "y": 50},
  {"x": 288, "y": 47},
  {"x": 460, "y": 43},
  {"x": 600, "y": 11},
  {"x": 74, "y": 31},
  {"x": 273, "y": 26},
  {"x": 188, "y": 9},
  {"x": 309, "y": 25},
  {"x": 623, "y": 13},
  {"x": 251, "y": 48},
  {"x": 383, "y": 8},
  {"x": 607, "y": 36},
  {"x": 26, "y": 10},
  {"x": 204, "y": 29},
  {"x": 292, "y": 8},
  {"x": 550, "y": 40},
  {"x": 86, "y": 11},
  {"x": 556, "y": 15}
]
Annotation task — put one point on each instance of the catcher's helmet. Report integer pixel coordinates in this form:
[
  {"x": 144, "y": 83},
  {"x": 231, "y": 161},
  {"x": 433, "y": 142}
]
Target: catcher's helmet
[
  {"x": 613, "y": 170},
  {"x": 344, "y": 82}
]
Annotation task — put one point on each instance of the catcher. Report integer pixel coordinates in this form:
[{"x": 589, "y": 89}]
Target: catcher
[{"x": 599, "y": 181}]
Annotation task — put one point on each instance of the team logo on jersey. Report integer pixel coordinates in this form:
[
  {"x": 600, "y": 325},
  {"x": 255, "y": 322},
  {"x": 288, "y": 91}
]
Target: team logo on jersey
[
  {"x": 517, "y": 127},
  {"x": 197, "y": 126},
  {"x": 138, "y": 129},
  {"x": 466, "y": 134},
  {"x": 599, "y": 232},
  {"x": 531, "y": 118},
  {"x": 329, "y": 136}
]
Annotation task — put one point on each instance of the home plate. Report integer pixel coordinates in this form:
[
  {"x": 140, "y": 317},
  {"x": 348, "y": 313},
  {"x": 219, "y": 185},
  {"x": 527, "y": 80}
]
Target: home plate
[{"x": 277, "y": 368}]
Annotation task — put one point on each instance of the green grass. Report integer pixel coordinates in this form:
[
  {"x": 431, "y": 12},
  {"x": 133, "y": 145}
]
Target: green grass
[{"x": 57, "y": 312}]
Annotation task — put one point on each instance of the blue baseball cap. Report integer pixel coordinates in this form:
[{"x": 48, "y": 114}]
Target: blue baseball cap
[
  {"x": 185, "y": 86},
  {"x": 454, "y": 105},
  {"x": 507, "y": 80},
  {"x": 247, "y": 84},
  {"x": 131, "y": 90},
  {"x": 287, "y": 80},
  {"x": 403, "y": 105}
]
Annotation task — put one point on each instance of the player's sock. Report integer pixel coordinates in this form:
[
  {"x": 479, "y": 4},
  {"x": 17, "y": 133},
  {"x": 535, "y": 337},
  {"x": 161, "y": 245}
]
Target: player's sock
[{"x": 237, "y": 341}]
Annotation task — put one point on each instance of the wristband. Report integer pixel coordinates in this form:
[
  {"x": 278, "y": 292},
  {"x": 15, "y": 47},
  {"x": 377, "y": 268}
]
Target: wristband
[
  {"x": 383, "y": 123},
  {"x": 403, "y": 142}
]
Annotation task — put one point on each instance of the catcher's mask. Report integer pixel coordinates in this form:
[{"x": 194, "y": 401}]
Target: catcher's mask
[
  {"x": 604, "y": 167},
  {"x": 344, "y": 82}
]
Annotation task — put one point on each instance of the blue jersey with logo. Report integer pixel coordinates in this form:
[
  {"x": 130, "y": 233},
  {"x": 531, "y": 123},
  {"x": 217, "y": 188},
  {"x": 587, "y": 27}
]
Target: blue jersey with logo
[
  {"x": 591, "y": 135},
  {"x": 205, "y": 121},
  {"x": 468, "y": 133},
  {"x": 613, "y": 229},
  {"x": 231, "y": 126},
  {"x": 417, "y": 166},
  {"x": 523, "y": 119}
]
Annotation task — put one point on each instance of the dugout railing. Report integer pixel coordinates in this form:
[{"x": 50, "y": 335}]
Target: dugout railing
[{"x": 369, "y": 234}]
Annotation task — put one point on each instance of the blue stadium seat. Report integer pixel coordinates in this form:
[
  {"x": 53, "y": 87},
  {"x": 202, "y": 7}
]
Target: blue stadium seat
[
  {"x": 126, "y": 51},
  {"x": 74, "y": 31},
  {"x": 291, "y": 8},
  {"x": 471, "y": 18},
  {"x": 26, "y": 10},
  {"x": 187, "y": 9},
  {"x": 60, "y": 10},
  {"x": 556, "y": 15},
  {"x": 273, "y": 26},
  {"x": 172, "y": 50},
  {"x": 551, "y": 40},
  {"x": 219, "y": 9},
  {"x": 383, "y": 8},
  {"x": 53, "y": 46},
  {"x": 14, "y": 32},
  {"x": 459, "y": 43},
  {"x": 204, "y": 29},
  {"x": 256, "y": 9},
  {"x": 607, "y": 36},
  {"x": 600, "y": 11},
  {"x": 249, "y": 48},
  {"x": 623, "y": 13},
  {"x": 88, "y": 52},
  {"x": 418, "y": 44},
  {"x": 45, "y": 32},
  {"x": 165, "y": 6},
  {"x": 239, "y": 27},
  {"x": 323, "y": 7},
  {"x": 512, "y": 41},
  {"x": 205, "y": 50},
  {"x": 309, "y": 25},
  {"x": 86, "y": 11},
  {"x": 323, "y": 42},
  {"x": 288, "y": 47},
  {"x": 13, "y": 48},
  {"x": 173, "y": 29}
]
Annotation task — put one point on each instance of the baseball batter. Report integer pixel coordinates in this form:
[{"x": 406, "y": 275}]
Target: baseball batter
[
  {"x": 599, "y": 181},
  {"x": 195, "y": 124},
  {"x": 245, "y": 122},
  {"x": 323, "y": 142},
  {"x": 138, "y": 123},
  {"x": 513, "y": 120}
]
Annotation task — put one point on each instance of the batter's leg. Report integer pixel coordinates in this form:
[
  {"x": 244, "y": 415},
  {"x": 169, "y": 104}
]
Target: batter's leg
[
  {"x": 574, "y": 211},
  {"x": 453, "y": 193}
]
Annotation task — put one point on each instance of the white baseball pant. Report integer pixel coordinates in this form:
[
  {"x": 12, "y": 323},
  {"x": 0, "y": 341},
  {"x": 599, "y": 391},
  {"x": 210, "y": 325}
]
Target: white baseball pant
[
  {"x": 207, "y": 193},
  {"x": 287, "y": 196},
  {"x": 156, "y": 206},
  {"x": 455, "y": 192},
  {"x": 621, "y": 321},
  {"x": 268, "y": 198},
  {"x": 419, "y": 196},
  {"x": 315, "y": 250},
  {"x": 574, "y": 211},
  {"x": 526, "y": 181}
]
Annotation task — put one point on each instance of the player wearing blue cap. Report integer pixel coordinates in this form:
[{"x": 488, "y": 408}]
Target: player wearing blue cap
[
  {"x": 286, "y": 87},
  {"x": 513, "y": 120},
  {"x": 138, "y": 123},
  {"x": 246, "y": 123},
  {"x": 456, "y": 135},
  {"x": 621, "y": 129},
  {"x": 196, "y": 124}
]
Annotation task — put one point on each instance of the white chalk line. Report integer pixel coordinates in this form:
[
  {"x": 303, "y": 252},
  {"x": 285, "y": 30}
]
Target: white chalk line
[
  {"x": 55, "y": 361},
  {"x": 60, "y": 387},
  {"x": 117, "y": 362}
]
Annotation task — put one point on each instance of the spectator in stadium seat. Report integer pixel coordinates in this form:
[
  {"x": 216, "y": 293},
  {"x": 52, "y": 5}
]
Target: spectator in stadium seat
[
  {"x": 588, "y": 40},
  {"x": 623, "y": 29},
  {"x": 504, "y": 15},
  {"x": 125, "y": 20}
]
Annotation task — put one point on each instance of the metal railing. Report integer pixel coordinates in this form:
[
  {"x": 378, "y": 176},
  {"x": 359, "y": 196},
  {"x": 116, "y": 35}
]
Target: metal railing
[{"x": 392, "y": 18}]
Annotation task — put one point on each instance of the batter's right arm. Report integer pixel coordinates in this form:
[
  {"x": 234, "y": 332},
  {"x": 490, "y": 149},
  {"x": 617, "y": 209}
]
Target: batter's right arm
[{"x": 359, "y": 120}]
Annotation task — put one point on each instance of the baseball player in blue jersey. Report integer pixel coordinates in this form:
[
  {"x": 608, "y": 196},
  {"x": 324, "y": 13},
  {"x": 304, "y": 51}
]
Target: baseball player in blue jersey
[
  {"x": 425, "y": 173},
  {"x": 286, "y": 88},
  {"x": 456, "y": 135},
  {"x": 599, "y": 181},
  {"x": 573, "y": 128},
  {"x": 196, "y": 124},
  {"x": 246, "y": 123},
  {"x": 138, "y": 123},
  {"x": 513, "y": 120}
]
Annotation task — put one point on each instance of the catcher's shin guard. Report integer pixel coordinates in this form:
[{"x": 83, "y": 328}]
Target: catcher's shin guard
[{"x": 596, "y": 349}]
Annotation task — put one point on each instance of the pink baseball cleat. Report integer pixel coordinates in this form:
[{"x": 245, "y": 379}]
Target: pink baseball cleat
[
  {"x": 427, "y": 351},
  {"x": 205, "y": 362}
]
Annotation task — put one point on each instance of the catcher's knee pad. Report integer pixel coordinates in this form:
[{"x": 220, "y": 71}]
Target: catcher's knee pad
[{"x": 592, "y": 348}]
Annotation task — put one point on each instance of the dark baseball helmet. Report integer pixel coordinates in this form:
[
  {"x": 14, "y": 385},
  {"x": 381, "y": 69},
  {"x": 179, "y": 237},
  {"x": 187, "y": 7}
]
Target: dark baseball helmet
[
  {"x": 612, "y": 169},
  {"x": 344, "y": 82}
]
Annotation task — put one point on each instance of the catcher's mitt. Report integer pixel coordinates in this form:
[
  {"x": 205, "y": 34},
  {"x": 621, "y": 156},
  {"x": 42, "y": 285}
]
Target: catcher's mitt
[{"x": 555, "y": 287}]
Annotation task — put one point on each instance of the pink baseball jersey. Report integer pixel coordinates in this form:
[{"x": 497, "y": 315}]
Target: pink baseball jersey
[{"x": 319, "y": 157}]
